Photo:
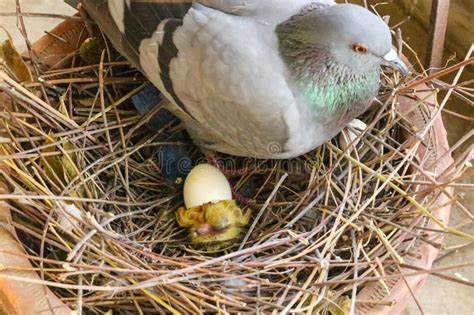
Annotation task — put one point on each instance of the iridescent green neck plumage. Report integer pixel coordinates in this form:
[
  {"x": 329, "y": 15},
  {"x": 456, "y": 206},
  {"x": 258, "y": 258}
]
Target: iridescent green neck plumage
[
  {"x": 336, "y": 92},
  {"x": 327, "y": 92}
]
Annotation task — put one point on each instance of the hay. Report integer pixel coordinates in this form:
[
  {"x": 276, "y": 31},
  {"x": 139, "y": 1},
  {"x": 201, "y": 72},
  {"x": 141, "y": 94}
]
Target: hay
[{"x": 97, "y": 217}]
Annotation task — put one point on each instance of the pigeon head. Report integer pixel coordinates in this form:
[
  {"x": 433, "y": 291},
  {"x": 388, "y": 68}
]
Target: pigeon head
[
  {"x": 350, "y": 35},
  {"x": 334, "y": 55}
]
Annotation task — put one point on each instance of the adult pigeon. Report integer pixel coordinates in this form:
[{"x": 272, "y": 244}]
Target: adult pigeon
[{"x": 255, "y": 78}]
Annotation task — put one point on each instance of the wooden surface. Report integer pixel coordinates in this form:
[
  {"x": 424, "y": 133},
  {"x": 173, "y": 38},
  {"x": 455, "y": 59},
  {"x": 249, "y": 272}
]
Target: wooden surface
[{"x": 437, "y": 34}]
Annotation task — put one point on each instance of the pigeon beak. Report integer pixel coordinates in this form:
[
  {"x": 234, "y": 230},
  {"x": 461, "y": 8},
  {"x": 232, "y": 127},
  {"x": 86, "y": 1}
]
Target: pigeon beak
[{"x": 392, "y": 60}]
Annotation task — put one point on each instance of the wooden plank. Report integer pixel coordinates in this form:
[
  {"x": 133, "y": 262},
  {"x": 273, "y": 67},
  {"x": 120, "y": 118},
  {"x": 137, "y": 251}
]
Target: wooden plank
[{"x": 437, "y": 34}]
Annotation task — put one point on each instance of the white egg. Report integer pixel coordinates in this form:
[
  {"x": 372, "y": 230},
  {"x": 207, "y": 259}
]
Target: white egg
[
  {"x": 204, "y": 184},
  {"x": 348, "y": 136}
]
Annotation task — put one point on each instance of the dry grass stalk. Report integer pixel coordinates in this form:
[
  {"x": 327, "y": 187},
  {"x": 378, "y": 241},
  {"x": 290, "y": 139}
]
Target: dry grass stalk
[{"x": 326, "y": 224}]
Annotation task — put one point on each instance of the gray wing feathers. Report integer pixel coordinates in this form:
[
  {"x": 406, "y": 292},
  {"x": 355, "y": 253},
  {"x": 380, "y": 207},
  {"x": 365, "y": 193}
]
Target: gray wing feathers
[
  {"x": 266, "y": 11},
  {"x": 219, "y": 65},
  {"x": 230, "y": 76}
]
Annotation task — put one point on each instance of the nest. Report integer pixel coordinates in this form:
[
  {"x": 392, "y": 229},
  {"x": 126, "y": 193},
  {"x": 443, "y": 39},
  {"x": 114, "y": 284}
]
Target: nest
[{"x": 343, "y": 228}]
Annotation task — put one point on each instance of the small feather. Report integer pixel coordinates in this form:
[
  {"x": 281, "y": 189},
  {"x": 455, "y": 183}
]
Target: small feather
[{"x": 69, "y": 216}]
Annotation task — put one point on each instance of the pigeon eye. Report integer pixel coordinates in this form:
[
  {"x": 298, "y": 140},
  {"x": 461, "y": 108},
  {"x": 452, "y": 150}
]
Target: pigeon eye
[{"x": 359, "y": 48}]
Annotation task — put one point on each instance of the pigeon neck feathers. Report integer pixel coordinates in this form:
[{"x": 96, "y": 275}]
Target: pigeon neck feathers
[
  {"x": 329, "y": 88},
  {"x": 333, "y": 90}
]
